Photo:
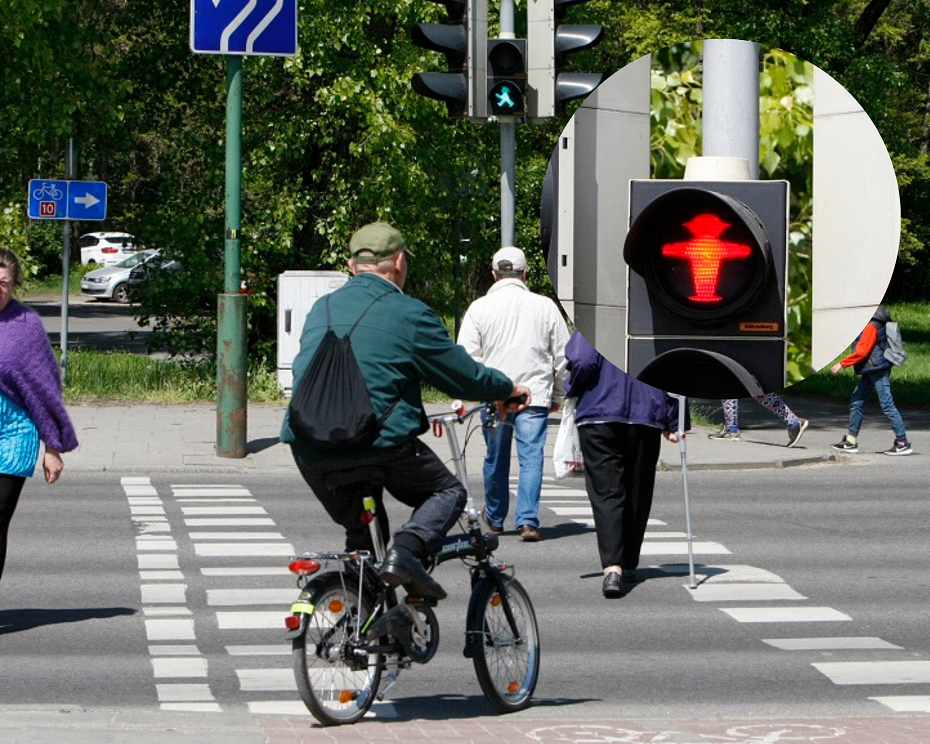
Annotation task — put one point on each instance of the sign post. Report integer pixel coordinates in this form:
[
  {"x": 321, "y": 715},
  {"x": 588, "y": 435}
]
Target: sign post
[{"x": 237, "y": 28}]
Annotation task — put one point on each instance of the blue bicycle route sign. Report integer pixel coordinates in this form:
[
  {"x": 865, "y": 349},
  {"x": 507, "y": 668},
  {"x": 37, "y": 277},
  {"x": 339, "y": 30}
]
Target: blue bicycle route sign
[
  {"x": 67, "y": 200},
  {"x": 247, "y": 27}
]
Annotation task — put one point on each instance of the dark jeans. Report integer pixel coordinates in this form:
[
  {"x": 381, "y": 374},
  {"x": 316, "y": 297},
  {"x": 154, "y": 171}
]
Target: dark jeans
[
  {"x": 620, "y": 473},
  {"x": 411, "y": 473},
  {"x": 10, "y": 488}
]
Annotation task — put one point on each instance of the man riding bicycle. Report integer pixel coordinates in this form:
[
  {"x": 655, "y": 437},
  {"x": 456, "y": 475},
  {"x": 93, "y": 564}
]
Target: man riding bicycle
[{"x": 400, "y": 344}]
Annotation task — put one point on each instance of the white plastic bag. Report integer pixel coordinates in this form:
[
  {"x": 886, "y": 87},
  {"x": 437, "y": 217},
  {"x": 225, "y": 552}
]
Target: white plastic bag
[{"x": 566, "y": 456}]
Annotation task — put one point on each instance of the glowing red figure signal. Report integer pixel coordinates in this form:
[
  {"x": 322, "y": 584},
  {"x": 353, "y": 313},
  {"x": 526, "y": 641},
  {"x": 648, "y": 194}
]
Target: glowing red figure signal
[{"x": 706, "y": 251}]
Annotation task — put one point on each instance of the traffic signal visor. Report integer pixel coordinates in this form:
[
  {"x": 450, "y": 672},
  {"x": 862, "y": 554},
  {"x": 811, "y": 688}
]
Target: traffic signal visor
[{"x": 704, "y": 255}]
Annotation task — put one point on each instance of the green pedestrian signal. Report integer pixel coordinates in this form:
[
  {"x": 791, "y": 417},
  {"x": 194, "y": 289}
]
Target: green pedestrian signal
[{"x": 506, "y": 77}]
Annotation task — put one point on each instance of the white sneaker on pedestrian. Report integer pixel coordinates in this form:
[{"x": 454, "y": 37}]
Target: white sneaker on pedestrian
[{"x": 900, "y": 448}]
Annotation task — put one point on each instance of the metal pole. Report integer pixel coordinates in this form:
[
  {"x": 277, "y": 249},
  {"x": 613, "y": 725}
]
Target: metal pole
[
  {"x": 231, "y": 361},
  {"x": 731, "y": 101},
  {"x": 683, "y": 449},
  {"x": 66, "y": 270},
  {"x": 508, "y": 146}
]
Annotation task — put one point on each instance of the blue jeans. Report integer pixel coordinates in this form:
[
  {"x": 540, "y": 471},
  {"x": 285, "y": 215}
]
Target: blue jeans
[
  {"x": 530, "y": 428},
  {"x": 880, "y": 381}
]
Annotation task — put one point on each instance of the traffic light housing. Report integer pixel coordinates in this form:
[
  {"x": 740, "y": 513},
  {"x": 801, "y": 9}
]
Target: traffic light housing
[
  {"x": 550, "y": 43},
  {"x": 506, "y": 77},
  {"x": 462, "y": 40},
  {"x": 706, "y": 303}
]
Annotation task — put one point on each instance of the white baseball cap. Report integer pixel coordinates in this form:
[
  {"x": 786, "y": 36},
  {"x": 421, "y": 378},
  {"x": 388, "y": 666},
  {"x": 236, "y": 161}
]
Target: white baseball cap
[{"x": 509, "y": 258}]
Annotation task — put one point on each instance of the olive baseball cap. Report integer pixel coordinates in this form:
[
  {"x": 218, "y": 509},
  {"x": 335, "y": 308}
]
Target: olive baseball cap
[{"x": 377, "y": 241}]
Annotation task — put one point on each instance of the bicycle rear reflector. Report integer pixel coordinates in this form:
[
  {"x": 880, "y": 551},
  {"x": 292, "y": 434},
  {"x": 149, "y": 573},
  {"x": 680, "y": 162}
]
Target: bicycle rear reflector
[{"x": 303, "y": 567}]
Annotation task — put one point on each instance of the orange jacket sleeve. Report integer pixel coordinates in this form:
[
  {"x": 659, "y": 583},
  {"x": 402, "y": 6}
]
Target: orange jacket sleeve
[{"x": 863, "y": 348}]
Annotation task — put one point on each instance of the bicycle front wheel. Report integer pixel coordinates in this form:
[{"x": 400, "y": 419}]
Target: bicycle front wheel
[
  {"x": 507, "y": 663},
  {"x": 337, "y": 681}
]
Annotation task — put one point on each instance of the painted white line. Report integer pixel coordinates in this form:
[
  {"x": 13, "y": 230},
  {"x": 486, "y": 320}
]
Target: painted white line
[
  {"x": 278, "y": 649},
  {"x": 571, "y": 511},
  {"x": 205, "y": 485},
  {"x": 183, "y": 667},
  {"x": 170, "y": 630},
  {"x": 193, "y": 707},
  {"x": 277, "y": 708},
  {"x": 722, "y": 574},
  {"x": 135, "y": 481},
  {"x": 681, "y": 548},
  {"x": 220, "y": 510},
  {"x": 563, "y": 492},
  {"x": 665, "y": 535},
  {"x": 160, "y": 575},
  {"x": 241, "y": 549},
  {"x": 185, "y": 649},
  {"x": 905, "y": 703},
  {"x": 838, "y": 643},
  {"x": 217, "y": 501},
  {"x": 156, "y": 543},
  {"x": 230, "y": 522},
  {"x": 144, "y": 501},
  {"x": 181, "y": 692},
  {"x": 246, "y": 571},
  {"x": 251, "y": 620},
  {"x": 147, "y": 527},
  {"x": 236, "y": 536},
  {"x": 744, "y": 593},
  {"x": 157, "y": 561},
  {"x": 140, "y": 491},
  {"x": 163, "y": 593},
  {"x": 786, "y": 614},
  {"x": 876, "y": 672},
  {"x": 219, "y": 491},
  {"x": 241, "y": 597},
  {"x": 166, "y": 611},
  {"x": 266, "y": 680},
  {"x": 140, "y": 511}
]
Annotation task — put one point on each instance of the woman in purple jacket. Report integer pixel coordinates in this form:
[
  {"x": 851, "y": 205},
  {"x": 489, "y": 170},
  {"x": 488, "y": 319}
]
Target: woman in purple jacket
[
  {"x": 620, "y": 424},
  {"x": 31, "y": 406}
]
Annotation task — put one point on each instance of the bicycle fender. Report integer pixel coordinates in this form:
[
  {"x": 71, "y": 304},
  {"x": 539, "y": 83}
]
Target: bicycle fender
[{"x": 473, "y": 633}]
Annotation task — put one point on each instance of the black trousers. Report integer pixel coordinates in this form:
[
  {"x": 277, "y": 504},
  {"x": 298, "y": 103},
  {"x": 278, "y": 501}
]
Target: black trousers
[
  {"x": 411, "y": 473},
  {"x": 620, "y": 473},
  {"x": 10, "y": 488}
]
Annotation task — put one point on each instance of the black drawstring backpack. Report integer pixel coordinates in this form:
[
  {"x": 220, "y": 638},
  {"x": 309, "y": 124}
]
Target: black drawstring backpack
[{"x": 331, "y": 408}]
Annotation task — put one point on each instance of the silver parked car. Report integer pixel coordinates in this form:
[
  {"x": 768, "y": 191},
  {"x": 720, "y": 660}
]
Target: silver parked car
[{"x": 109, "y": 283}]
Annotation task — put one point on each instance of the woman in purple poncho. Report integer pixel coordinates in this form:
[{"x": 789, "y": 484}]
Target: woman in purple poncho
[{"x": 31, "y": 406}]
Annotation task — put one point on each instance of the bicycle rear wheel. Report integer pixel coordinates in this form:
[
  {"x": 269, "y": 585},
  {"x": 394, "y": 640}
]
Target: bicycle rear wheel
[
  {"x": 507, "y": 664},
  {"x": 336, "y": 685}
]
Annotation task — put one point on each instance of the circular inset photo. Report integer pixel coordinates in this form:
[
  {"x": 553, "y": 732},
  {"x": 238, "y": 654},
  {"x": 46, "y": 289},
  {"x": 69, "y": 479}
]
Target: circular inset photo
[{"x": 720, "y": 220}]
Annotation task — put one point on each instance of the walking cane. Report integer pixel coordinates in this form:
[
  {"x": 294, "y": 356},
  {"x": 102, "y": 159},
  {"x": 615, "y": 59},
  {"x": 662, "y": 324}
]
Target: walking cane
[{"x": 683, "y": 448}]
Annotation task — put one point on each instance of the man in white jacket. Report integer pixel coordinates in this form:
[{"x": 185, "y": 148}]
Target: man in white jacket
[{"x": 524, "y": 335}]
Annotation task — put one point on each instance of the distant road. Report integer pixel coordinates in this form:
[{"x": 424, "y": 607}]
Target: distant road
[{"x": 107, "y": 326}]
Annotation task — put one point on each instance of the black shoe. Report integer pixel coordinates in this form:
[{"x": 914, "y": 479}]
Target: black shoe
[
  {"x": 403, "y": 568},
  {"x": 613, "y": 585}
]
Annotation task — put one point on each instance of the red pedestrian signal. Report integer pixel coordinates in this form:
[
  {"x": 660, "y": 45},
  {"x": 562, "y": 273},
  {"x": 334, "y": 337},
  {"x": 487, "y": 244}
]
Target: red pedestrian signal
[{"x": 706, "y": 303}]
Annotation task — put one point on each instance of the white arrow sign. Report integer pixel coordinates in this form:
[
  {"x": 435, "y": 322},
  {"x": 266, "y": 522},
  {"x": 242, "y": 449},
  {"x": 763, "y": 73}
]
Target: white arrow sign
[{"x": 88, "y": 200}]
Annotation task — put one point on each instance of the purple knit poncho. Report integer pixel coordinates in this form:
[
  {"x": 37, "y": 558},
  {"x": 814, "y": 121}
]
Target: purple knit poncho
[{"x": 29, "y": 376}]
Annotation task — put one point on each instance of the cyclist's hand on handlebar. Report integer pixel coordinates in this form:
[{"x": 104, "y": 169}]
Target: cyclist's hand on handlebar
[{"x": 520, "y": 398}]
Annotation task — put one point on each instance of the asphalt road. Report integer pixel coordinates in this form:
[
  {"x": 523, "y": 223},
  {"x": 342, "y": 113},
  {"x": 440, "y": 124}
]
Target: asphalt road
[
  {"x": 106, "y": 326},
  {"x": 811, "y": 600}
]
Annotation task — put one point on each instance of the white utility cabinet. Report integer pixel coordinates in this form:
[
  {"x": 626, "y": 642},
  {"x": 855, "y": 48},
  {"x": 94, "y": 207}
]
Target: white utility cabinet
[{"x": 297, "y": 291}]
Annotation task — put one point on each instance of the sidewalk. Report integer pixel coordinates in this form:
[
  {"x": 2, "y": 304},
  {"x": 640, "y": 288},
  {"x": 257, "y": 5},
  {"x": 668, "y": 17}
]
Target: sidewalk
[{"x": 153, "y": 438}]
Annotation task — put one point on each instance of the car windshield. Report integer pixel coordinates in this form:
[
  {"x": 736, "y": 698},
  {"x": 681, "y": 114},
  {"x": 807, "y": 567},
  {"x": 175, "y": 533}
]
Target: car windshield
[{"x": 134, "y": 260}]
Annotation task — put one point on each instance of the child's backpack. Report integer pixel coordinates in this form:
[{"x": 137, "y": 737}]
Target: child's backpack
[{"x": 894, "y": 349}]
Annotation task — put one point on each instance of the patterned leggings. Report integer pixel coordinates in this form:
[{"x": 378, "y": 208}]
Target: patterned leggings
[{"x": 771, "y": 401}]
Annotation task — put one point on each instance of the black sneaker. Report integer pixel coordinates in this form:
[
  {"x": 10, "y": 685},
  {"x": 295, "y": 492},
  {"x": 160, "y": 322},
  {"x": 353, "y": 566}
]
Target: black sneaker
[
  {"x": 401, "y": 567},
  {"x": 844, "y": 445},
  {"x": 900, "y": 448},
  {"x": 797, "y": 431},
  {"x": 725, "y": 434}
]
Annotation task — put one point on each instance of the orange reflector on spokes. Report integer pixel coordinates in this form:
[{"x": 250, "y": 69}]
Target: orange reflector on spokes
[
  {"x": 346, "y": 696},
  {"x": 513, "y": 688},
  {"x": 303, "y": 566},
  {"x": 336, "y": 605},
  {"x": 495, "y": 600}
]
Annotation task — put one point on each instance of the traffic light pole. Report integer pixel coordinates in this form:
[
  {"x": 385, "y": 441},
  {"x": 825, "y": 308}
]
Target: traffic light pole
[
  {"x": 231, "y": 362},
  {"x": 508, "y": 146}
]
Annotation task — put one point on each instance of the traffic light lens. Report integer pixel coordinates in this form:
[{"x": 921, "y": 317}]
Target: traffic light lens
[{"x": 706, "y": 253}]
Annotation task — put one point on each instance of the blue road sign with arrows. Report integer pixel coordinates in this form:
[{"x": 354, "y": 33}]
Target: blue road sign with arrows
[
  {"x": 247, "y": 27},
  {"x": 67, "y": 200}
]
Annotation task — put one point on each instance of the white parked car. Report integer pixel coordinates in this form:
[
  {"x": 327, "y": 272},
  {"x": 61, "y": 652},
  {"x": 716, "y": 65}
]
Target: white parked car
[
  {"x": 109, "y": 283},
  {"x": 106, "y": 248}
]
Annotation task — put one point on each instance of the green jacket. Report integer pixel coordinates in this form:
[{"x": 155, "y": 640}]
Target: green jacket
[{"x": 399, "y": 344}]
